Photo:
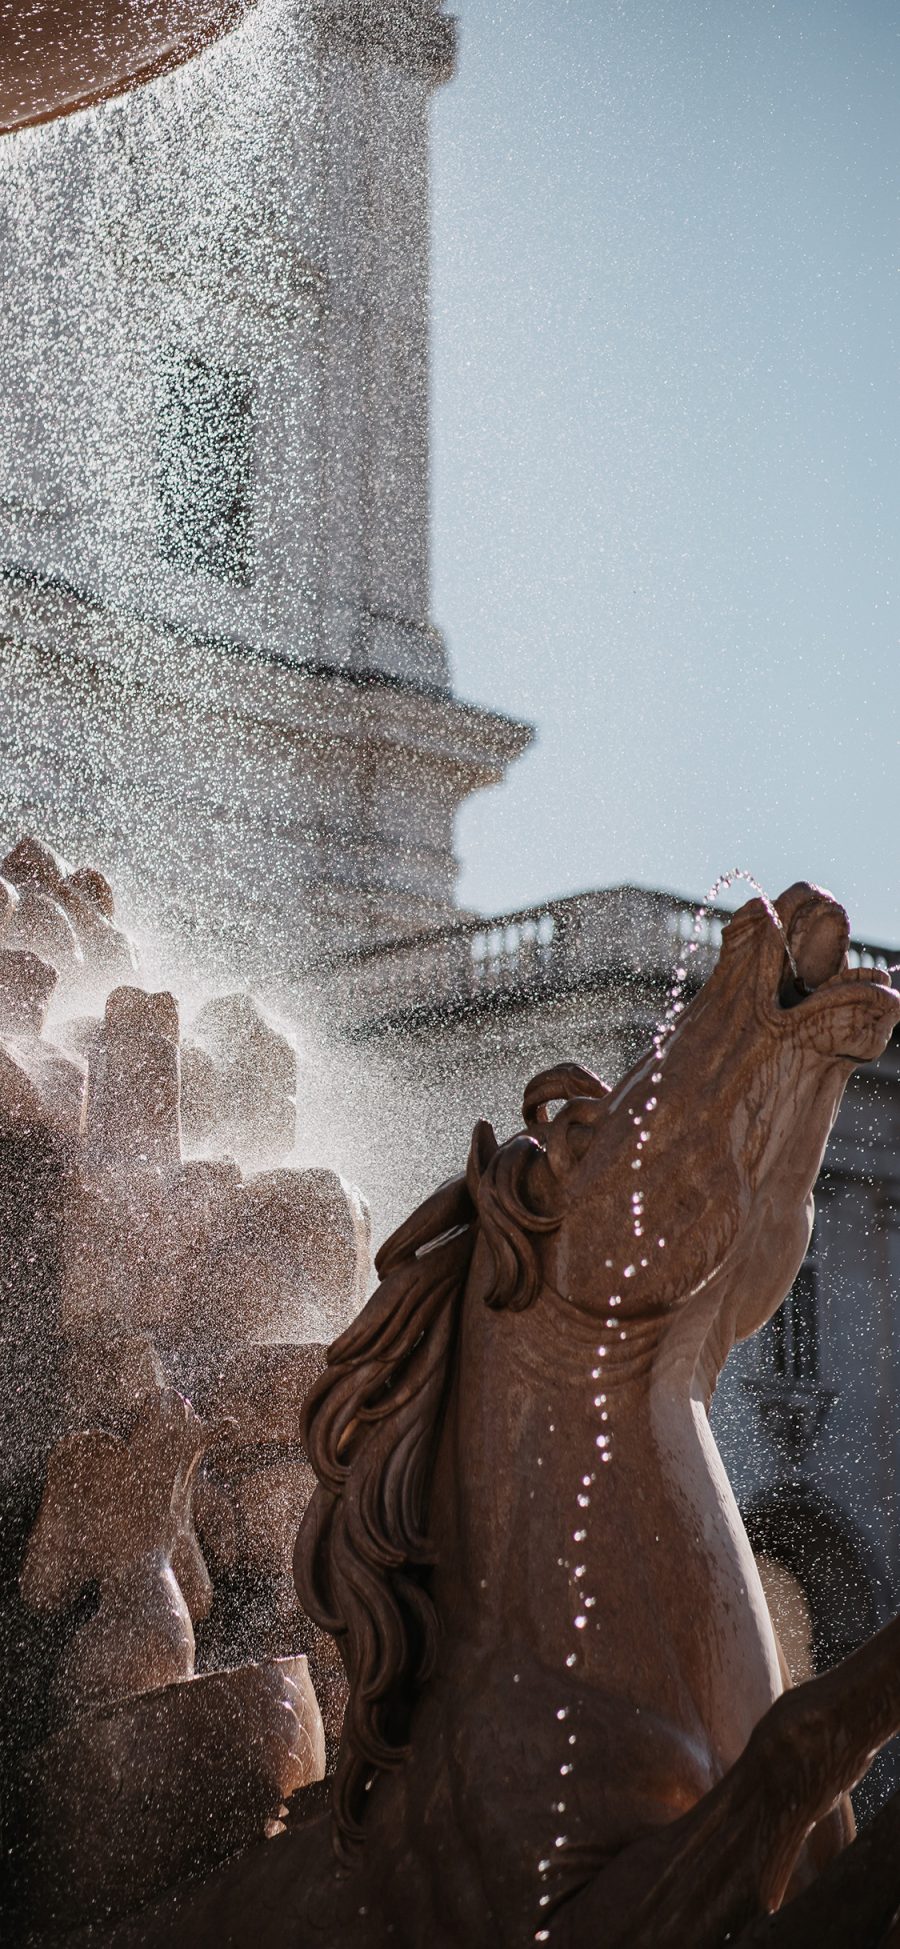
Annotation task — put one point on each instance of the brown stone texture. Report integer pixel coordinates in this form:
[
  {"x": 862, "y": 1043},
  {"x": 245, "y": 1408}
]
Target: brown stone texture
[
  {"x": 239, "y": 1082},
  {"x": 131, "y": 1277},
  {"x": 118, "y": 1512},
  {"x": 568, "y": 1718},
  {"x": 164, "y": 1785}
]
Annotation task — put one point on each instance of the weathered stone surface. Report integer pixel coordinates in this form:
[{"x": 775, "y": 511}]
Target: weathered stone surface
[
  {"x": 119, "y": 1512},
  {"x": 41, "y": 926},
  {"x": 9, "y": 900},
  {"x": 26, "y": 986},
  {"x": 262, "y": 1389},
  {"x": 144, "y": 1269},
  {"x": 239, "y": 1082},
  {"x": 129, "y": 1799},
  {"x": 102, "y": 1377},
  {"x": 32, "y": 865},
  {"x": 88, "y": 886},
  {"x": 40, "y": 1085},
  {"x": 297, "y": 1256},
  {"x": 65, "y": 916},
  {"x": 133, "y": 1113}
]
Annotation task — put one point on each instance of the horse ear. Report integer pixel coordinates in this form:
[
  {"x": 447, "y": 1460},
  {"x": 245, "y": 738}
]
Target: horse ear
[
  {"x": 567, "y": 1136},
  {"x": 570, "y": 1135},
  {"x": 483, "y": 1148},
  {"x": 558, "y": 1085}
]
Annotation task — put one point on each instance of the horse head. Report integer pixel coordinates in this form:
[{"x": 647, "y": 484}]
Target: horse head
[{"x": 659, "y": 1220}]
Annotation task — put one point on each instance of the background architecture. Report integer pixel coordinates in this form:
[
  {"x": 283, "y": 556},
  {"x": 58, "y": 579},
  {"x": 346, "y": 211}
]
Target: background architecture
[{"x": 221, "y": 680}]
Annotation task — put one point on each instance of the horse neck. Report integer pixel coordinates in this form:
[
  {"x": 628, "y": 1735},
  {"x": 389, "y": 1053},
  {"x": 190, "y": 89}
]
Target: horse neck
[{"x": 518, "y": 1456}]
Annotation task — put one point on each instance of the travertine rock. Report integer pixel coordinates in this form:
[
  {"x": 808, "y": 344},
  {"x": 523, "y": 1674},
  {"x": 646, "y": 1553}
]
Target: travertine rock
[
  {"x": 26, "y": 986},
  {"x": 39, "y": 1083},
  {"x": 66, "y": 917},
  {"x": 239, "y": 1080},
  {"x": 127, "y": 1268},
  {"x": 120, "y": 1512},
  {"x": 133, "y": 1111},
  {"x": 102, "y": 1377},
  {"x": 128, "y": 1800},
  {"x": 262, "y": 1474}
]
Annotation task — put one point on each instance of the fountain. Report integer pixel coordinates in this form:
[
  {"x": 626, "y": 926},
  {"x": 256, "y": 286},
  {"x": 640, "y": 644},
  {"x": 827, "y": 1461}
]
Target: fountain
[
  {"x": 582, "y": 1736},
  {"x": 142, "y": 1265}
]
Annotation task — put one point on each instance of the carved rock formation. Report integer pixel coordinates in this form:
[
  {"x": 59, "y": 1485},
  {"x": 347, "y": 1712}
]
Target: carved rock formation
[{"x": 131, "y": 1278}]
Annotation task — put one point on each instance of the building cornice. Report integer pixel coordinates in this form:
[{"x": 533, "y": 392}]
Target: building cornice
[{"x": 298, "y": 697}]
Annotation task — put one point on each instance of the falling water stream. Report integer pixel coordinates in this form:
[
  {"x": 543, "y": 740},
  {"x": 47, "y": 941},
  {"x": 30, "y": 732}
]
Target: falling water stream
[{"x": 603, "y": 1440}]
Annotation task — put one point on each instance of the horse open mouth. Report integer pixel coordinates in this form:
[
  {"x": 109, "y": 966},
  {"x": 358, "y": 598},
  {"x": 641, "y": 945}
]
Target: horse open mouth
[{"x": 851, "y": 1011}]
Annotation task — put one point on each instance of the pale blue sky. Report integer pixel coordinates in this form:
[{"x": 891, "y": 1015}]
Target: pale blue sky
[{"x": 666, "y": 468}]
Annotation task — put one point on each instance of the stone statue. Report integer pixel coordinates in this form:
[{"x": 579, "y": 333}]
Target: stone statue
[
  {"x": 120, "y": 1513},
  {"x": 568, "y": 1719}
]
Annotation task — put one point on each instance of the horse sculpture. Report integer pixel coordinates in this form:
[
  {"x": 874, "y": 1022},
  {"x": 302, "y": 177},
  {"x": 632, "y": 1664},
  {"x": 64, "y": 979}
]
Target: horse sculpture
[{"x": 569, "y": 1719}]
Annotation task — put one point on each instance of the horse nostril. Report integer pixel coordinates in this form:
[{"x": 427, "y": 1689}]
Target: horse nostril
[{"x": 819, "y": 935}]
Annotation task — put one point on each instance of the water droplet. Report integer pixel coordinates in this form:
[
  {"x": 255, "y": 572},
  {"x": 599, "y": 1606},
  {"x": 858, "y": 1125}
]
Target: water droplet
[{"x": 580, "y": 1621}]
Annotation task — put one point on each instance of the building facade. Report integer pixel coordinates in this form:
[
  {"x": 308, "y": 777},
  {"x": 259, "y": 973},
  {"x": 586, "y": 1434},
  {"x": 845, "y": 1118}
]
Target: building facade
[{"x": 221, "y": 673}]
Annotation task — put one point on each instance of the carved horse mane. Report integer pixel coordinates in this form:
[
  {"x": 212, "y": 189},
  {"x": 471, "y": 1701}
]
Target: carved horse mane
[{"x": 372, "y": 1421}]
